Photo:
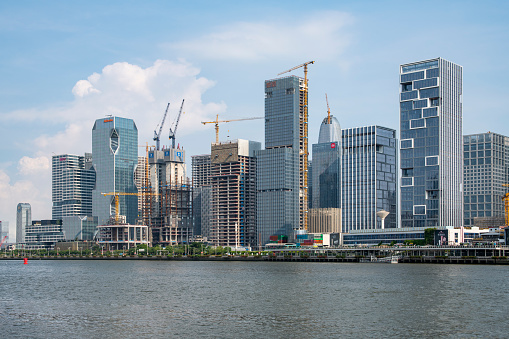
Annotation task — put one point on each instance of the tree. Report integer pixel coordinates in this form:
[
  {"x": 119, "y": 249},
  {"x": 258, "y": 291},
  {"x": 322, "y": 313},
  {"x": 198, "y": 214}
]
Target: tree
[{"x": 429, "y": 236}]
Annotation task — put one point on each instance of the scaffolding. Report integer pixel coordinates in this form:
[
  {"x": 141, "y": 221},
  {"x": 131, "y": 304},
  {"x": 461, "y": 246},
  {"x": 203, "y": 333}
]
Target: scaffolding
[{"x": 167, "y": 208}]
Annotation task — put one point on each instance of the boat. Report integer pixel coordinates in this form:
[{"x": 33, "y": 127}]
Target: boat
[{"x": 393, "y": 259}]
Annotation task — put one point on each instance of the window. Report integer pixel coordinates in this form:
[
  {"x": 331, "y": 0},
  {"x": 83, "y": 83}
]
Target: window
[
  {"x": 408, "y": 95},
  {"x": 419, "y": 209},
  {"x": 407, "y": 143},
  {"x": 420, "y": 103},
  {"x": 430, "y": 112},
  {"x": 406, "y": 87},
  {"x": 425, "y": 83},
  {"x": 432, "y": 161},
  {"x": 417, "y": 123},
  {"x": 411, "y": 76},
  {"x": 409, "y": 181}
]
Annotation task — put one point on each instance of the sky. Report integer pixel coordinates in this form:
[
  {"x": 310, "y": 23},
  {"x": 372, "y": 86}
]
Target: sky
[{"x": 64, "y": 64}]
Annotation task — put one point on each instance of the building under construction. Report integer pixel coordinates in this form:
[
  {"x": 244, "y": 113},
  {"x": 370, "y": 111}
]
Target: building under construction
[
  {"x": 282, "y": 173},
  {"x": 166, "y": 206},
  {"x": 233, "y": 198}
]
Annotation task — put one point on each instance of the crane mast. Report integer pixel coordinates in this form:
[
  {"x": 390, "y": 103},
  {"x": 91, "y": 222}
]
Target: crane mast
[
  {"x": 173, "y": 133},
  {"x": 157, "y": 133}
]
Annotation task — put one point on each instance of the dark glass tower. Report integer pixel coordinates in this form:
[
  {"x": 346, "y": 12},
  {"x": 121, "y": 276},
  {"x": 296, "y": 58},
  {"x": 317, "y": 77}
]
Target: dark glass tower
[
  {"x": 369, "y": 177},
  {"x": 281, "y": 201},
  {"x": 431, "y": 144}
]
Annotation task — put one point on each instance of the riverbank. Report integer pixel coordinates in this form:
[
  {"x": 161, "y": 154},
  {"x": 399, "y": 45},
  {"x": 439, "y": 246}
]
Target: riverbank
[{"x": 406, "y": 260}]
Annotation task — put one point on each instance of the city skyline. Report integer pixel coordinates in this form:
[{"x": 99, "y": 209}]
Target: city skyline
[{"x": 64, "y": 71}]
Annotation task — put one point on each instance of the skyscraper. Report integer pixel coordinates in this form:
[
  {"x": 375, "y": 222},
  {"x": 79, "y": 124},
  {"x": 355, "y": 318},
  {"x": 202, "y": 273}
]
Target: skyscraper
[
  {"x": 4, "y": 230},
  {"x": 486, "y": 170},
  {"x": 114, "y": 157},
  {"x": 369, "y": 177},
  {"x": 326, "y": 176},
  {"x": 431, "y": 143},
  {"x": 201, "y": 194},
  {"x": 23, "y": 220},
  {"x": 72, "y": 182},
  {"x": 281, "y": 166},
  {"x": 233, "y": 185}
]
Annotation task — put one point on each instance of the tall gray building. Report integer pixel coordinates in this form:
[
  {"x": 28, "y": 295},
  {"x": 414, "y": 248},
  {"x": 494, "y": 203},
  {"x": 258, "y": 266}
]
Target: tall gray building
[
  {"x": 326, "y": 175},
  {"x": 71, "y": 186},
  {"x": 486, "y": 170},
  {"x": 431, "y": 143},
  {"x": 369, "y": 177},
  {"x": 281, "y": 169},
  {"x": 23, "y": 220},
  {"x": 114, "y": 157},
  {"x": 201, "y": 194}
]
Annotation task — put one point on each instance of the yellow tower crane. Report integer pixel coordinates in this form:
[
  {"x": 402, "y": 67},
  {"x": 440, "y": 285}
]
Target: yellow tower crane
[
  {"x": 117, "y": 204},
  {"x": 304, "y": 145},
  {"x": 328, "y": 109},
  {"x": 217, "y": 121},
  {"x": 506, "y": 205}
]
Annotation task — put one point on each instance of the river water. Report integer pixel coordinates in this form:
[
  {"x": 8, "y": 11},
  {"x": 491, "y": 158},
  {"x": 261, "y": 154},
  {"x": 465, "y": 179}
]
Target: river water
[{"x": 169, "y": 299}]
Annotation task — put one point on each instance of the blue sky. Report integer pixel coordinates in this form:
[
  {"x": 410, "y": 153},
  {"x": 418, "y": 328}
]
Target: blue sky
[{"x": 63, "y": 64}]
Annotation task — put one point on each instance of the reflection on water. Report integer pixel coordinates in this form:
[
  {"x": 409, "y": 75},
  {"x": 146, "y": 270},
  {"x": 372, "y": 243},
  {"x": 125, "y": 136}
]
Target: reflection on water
[{"x": 129, "y": 299}]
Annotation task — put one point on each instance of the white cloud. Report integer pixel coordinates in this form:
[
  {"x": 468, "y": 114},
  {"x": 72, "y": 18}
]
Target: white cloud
[
  {"x": 36, "y": 191},
  {"x": 122, "y": 89},
  {"x": 321, "y": 36},
  {"x": 33, "y": 166}
]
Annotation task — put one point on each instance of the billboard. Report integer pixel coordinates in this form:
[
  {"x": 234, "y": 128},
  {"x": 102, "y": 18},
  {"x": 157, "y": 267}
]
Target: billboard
[{"x": 441, "y": 237}]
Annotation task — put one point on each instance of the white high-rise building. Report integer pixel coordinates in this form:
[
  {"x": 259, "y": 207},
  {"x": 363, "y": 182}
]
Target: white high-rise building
[{"x": 72, "y": 182}]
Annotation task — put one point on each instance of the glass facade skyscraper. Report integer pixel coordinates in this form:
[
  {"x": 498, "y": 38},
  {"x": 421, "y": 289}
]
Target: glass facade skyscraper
[
  {"x": 486, "y": 169},
  {"x": 281, "y": 176},
  {"x": 23, "y": 220},
  {"x": 114, "y": 157},
  {"x": 431, "y": 143},
  {"x": 72, "y": 182},
  {"x": 326, "y": 175},
  {"x": 369, "y": 177}
]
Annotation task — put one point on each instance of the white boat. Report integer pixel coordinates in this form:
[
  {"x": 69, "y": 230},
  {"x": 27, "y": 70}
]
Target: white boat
[{"x": 393, "y": 259}]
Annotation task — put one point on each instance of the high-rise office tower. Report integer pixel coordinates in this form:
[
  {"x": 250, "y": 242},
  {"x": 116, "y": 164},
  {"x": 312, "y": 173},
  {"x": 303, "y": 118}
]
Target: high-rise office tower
[
  {"x": 201, "y": 194},
  {"x": 486, "y": 170},
  {"x": 4, "y": 231},
  {"x": 326, "y": 176},
  {"x": 282, "y": 165},
  {"x": 431, "y": 143},
  {"x": 233, "y": 199},
  {"x": 72, "y": 182},
  {"x": 114, "y": 157},
  {"x": 23, "y": 220},
  {"x": 369, "y": 177}
]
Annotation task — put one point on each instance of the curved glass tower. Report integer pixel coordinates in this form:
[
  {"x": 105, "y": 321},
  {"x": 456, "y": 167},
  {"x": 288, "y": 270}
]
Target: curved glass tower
[
  {"x": 326, "y": 174},
  {"x": 114, "y": 158}
]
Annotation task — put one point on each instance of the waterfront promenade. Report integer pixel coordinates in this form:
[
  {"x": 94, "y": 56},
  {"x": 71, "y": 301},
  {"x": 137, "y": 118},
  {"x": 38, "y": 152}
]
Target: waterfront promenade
[{"x": 406, "y": 254}]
